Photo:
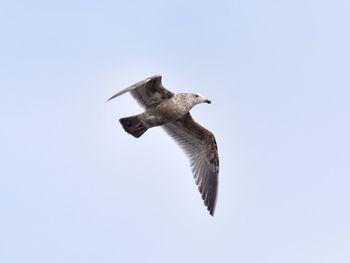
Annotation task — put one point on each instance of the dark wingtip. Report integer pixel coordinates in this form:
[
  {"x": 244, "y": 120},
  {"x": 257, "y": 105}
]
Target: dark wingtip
[
  {"x": 211, "y": 210},
  {"x": 111, "y": 98}
]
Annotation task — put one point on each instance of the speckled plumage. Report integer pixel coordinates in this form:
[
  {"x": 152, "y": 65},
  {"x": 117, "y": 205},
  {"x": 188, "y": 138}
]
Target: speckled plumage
[{"x": 171, "y": 112}]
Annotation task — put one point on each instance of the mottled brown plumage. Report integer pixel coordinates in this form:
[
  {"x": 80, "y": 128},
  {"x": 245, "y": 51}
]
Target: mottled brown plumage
[{"x": 171, "y": 112}]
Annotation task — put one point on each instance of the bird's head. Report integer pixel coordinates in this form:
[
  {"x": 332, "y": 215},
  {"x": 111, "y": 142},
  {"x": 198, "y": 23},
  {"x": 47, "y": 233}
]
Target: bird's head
[{"x": 197, "y": 98}]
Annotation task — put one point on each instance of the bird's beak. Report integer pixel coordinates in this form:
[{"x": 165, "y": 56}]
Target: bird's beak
[{"x": 208, "y": 101}]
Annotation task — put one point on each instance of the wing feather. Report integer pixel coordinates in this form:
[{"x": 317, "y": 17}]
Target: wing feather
[
  {"x": 147, "y": 91},
  {"x": 200, "y": 146}
]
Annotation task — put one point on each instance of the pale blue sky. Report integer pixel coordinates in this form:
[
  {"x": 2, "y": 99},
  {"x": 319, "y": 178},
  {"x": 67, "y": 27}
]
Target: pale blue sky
[{"x": 74, "y": 187}]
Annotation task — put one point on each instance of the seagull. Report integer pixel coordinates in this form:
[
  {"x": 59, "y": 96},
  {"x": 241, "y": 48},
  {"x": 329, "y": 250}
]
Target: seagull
[{"x": 171, "y": 112}]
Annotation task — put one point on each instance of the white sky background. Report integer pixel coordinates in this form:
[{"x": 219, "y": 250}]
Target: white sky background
[{"x": 74, "y": 187}]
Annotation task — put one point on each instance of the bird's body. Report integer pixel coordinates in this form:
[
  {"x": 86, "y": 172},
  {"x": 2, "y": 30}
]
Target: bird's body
[
  {"x": 171, "y": 112},
  {"x": 166, "y": 111}
]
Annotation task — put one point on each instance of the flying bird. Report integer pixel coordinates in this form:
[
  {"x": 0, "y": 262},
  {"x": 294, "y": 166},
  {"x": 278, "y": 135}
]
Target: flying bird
[{"x": 171, "y": 112}]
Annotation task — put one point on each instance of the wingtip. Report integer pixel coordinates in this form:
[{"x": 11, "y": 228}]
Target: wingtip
[
  {"x": 108, "y": 100},
  {"x": 114, "y": 96},
  {"x": 211, "y": 211}
]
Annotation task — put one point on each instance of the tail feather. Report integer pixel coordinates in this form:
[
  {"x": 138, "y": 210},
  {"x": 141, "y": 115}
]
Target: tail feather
[{"x": 133, "y": 126}]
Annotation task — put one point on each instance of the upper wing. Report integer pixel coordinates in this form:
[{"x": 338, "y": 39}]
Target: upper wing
[
  {"x": 147, "y": 91},
  {"x": 200, "y": 146}
]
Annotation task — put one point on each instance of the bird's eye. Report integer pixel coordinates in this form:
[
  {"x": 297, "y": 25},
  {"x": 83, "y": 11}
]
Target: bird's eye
[{"x": 196, "y": 96}]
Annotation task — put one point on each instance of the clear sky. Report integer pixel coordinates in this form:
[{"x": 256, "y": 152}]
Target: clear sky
[{"x": 74, "y": 187}]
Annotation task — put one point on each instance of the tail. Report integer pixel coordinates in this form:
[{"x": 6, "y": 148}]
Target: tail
[{"x": 133, "y": 125}]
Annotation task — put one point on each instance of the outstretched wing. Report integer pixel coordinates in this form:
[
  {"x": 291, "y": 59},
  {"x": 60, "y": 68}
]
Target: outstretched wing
[
  {"x": 147, "y": 91},
  {"x": 200, "y": 146}
]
